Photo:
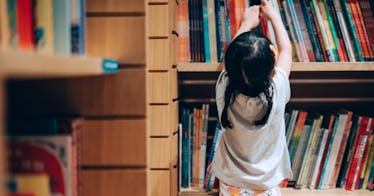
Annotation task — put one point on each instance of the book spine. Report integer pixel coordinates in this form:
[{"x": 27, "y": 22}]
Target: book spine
[
  {"x": 206, "y": 31},
  {"x": 352, "y": 29},
  {"x": 212, "y": 31},
  {"x": 299, "y": 37}
]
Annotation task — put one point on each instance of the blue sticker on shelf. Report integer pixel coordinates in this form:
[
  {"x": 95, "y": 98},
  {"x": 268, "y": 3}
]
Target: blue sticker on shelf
[{"x": 110, "y": 65}]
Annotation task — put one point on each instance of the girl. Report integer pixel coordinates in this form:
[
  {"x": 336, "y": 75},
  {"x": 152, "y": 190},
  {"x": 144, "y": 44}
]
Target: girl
[{"x": 251, "y": 93}]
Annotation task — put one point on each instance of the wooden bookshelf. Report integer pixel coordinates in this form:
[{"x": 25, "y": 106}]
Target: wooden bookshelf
[
  {"x": 25, "y": 65},
  {"x": 297, "y": 66},
  {"x": 287, "y": 192}
]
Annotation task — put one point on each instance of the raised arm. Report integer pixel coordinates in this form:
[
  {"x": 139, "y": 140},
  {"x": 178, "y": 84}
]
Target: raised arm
[
  {"x": 284, "y": 60},
  {"x": 250, "y": 20}
]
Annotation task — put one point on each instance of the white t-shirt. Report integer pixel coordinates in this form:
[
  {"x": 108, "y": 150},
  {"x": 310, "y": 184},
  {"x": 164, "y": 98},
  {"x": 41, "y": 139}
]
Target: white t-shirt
[{"x": 250, "y": 156}]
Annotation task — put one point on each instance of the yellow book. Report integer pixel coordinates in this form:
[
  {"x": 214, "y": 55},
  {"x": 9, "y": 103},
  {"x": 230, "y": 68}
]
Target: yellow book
[
  {"x": 37, "y": 184},
  {"x": 44, "y": 26}
]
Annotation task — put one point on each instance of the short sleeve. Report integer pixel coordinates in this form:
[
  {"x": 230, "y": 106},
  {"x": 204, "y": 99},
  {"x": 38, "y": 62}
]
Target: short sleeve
[
  {"x": 282, "y": 85},
  {"x": 221, "y": 85}
]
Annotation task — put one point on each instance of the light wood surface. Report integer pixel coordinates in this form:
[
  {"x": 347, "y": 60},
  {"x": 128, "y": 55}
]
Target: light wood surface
[
  {"x": 121, "y": 38},
  {"x": 174, "y": 181},
  {"x": 174, "y": 150},
  {"x": 16, "y": 64},
  {"x": 160, "y": 182},
  {"x": 159, "y": 87},
  {"x": 122, "y": 94},
  {"x": 113, "y": 182},
  {"x": 111, "y": 6},
  {"x": 164, "y": 119},
  {"x": 297, "y": 66},
  {"x": 159, "y": 53},
  {"x": 114, "y": 143},
  {"x": 158, "y": 20},
  {"x": 160, "y": 153}
]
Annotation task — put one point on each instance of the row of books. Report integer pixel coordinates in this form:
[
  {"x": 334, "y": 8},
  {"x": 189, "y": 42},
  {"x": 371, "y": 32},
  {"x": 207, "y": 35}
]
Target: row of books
[
  {"x": 46, "y": 26},
  {"x": 326, "y": 150},
  {"x": 43, "y": 156},
  {"x": 320, "y": 30},
  {"x": 197, "y": 148},
  {"x": 331, "y": 150}
]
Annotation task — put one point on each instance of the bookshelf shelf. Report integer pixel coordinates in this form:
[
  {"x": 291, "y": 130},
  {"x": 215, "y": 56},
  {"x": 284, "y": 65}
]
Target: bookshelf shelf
[
  {"x": 288, "y": 192},
  {"x": 297, "y": 66},
  {"x": 26, "y": 65}
]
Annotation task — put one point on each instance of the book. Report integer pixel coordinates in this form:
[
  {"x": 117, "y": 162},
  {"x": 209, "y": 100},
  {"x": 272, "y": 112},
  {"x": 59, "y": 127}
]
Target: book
[
  {"x": 357, "y": 154},
  {"x": 61, "y": 27},
  {"x": 30, "y": 184},
  {"x": 44, "y": 26},
  {"x": 51, "y": 155}
]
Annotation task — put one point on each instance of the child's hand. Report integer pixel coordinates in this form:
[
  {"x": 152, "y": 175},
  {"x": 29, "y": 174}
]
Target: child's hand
[
  {"x": 267, "y": 10},
  {"x": 251, "y": 17}
]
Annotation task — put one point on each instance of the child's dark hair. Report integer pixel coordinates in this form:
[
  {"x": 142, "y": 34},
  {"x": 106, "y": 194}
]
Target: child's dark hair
[{"x": 249, "y": 63}]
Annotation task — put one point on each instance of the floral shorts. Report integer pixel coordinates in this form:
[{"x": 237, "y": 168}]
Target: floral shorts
[{"x": 227, "y": 190}]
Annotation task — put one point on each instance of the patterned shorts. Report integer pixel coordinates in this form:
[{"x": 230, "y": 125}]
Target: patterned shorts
[{"x": 227, "y": 190}]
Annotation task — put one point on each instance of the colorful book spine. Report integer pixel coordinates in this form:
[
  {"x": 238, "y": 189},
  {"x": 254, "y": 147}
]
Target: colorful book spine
[
  {"x": 212, "y": 31},
  {"x": 206, "y": 31},
  {"x": 329, "y": 31},
  {"x": 357, "y": 154},
  {"x": 352, "y": 30},
  {"x": 368, "y": 17},
  {"x": 25, "y": 24},
  {"x": 44, "y": 26},
  {"x": 344, "y": 29},
  {"x": 296, "y": 26},
  {"x": 320, "y": 22},
  {"x": 61, "y": 27},
  {"x": 321, "y": 148}
]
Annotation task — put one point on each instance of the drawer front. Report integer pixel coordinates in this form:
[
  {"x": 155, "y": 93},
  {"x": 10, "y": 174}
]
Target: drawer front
[
  {"x": 162, "y": 87},
  {"x": 114, "y": 143},
  {"x": 164, "y": 119},
  {"x": 113, "y": 182},
  {"x": 173, "y": 14},
  {"x": 115, "y": 6},
  {"x": 159, "y": 54},
  {"x": 109, "y": 95},
  {"x": 160, "y": 153},
  {"x": 159, "y": 22},
  {"x": 111, "y": 37},
  {"x": 160, "y": 183}
]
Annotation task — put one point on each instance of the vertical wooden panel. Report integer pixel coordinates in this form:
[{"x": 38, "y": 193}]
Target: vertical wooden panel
[
  {"x": 114, "y": 142},
  {"x": 160, "y": 153},
  {"x": 159, "y": 87},
  {"x": 160, "y": 120},
  {"x": 174, "y": 121},
  {"x": 174, "y": 150},
  {"x": 173, "y": 83},
  {"x": 159, "y": 54},
  {"x": 113, "y": 182},
  {"x": 159, "y": 24},
  {"x": 174, "y": 181},
  {"x": 121, "y": 38},
  {"x": 160, "y": 183},
  {"x": 115, "y": 5}
]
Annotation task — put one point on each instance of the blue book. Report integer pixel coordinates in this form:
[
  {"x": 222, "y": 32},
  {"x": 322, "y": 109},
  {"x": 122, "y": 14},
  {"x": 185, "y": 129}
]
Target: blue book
[
  {"x": 61, "y": 27},
  {"x": 206, "y": 31}
]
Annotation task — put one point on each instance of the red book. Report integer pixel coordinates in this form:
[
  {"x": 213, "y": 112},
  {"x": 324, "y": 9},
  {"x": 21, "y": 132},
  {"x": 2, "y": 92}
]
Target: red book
[
  {"x": 236, "y": 9},
  {"x": 368, "y": 17},
  {"x": 365, "y": 154},
  {"x": 357, "y": 153},
  {"x": 25, "y": 24},
  {"x": 323, "y": 47},
  {"x": 363, "y": 28}
]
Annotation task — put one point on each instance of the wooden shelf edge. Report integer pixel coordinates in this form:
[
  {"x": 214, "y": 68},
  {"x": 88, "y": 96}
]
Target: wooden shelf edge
[
  {"x": 25, "y": 65},
  {"x": 288, "y": 191},
  {"x": 297, "y": 66}
]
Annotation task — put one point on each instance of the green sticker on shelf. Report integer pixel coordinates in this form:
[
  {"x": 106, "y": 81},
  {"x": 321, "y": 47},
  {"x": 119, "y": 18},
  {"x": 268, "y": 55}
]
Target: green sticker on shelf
[{"x": 110, "y": 65}]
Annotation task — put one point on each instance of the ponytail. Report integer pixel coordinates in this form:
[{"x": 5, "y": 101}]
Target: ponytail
[{"x": 224, "y": 118}]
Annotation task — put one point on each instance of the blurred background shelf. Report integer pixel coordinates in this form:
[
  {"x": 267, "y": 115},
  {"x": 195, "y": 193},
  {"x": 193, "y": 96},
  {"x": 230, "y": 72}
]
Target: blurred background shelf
[{"x": 28, "y": 65}]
